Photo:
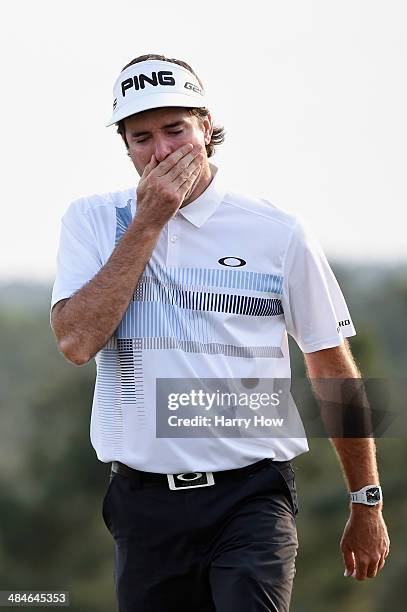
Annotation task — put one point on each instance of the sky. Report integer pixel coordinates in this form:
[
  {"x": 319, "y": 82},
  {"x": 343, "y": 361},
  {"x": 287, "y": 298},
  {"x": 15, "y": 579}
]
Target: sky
[{"x": 312, "y": 94}]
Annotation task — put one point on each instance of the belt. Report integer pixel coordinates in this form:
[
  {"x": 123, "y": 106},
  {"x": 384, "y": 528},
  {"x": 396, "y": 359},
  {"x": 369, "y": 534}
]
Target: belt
[{"x": 188, "y": 480}]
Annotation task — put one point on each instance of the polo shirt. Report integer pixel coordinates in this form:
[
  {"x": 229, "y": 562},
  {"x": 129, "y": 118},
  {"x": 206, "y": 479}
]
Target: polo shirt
[{"x": 231, "y": 275}]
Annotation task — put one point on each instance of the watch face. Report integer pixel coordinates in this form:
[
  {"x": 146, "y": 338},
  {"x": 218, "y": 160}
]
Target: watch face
[{"x": 373, "y": 495}]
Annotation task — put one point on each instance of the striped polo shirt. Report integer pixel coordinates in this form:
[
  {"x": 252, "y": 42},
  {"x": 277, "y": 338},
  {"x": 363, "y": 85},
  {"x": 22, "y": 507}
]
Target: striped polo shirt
[{"x": 229, "y": 278}]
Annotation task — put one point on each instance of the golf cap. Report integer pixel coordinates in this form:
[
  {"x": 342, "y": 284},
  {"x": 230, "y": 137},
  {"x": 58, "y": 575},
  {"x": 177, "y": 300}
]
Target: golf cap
[{"x": 154, "y": 84}]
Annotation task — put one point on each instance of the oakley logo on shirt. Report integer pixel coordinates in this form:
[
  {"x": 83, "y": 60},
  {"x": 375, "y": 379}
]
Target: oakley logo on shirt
[{"x": 232, "y": 262}]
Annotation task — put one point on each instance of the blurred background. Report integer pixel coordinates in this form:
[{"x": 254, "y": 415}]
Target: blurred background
[{"x": 313, "y": 98}]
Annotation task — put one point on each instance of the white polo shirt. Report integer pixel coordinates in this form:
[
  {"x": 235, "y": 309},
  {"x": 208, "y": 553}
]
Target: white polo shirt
[{"x": 230, "y": 276}]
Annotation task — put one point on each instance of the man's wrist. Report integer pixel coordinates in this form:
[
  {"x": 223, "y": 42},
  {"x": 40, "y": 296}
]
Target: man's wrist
[
  {"x": 144, "y": 224},
  {"x": 357, "y": 509}
]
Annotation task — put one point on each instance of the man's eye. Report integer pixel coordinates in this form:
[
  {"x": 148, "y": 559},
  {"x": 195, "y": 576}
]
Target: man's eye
[{"x": 176, "y": 131}]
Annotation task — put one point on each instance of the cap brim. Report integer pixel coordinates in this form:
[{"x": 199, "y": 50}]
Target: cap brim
[{"x": 156, "y": 100}]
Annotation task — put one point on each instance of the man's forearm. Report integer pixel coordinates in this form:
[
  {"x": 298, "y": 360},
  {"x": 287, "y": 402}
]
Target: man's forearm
[
  {"x": 358, "y": 459},
  {"x": 357, "y": 455},
  {"x": 90, "y": 317}
]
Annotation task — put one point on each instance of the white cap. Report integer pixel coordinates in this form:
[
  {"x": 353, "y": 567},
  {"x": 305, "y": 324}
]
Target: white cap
[{"x": 154, "y": 84}]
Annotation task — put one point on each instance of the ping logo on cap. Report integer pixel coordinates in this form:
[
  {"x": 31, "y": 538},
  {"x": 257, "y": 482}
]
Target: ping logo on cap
[{"x": 161, "y": 77}]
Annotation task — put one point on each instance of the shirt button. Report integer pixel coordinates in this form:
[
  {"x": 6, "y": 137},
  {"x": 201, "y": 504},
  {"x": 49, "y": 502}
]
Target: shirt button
[{"x": 174, "y": 238}]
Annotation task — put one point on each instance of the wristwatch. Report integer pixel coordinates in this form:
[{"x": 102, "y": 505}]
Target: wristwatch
[{"x": 369, "y": 495}]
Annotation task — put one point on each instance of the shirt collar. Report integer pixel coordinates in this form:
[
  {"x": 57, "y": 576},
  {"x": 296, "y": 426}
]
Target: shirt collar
[{"x": 198, "y": 211}]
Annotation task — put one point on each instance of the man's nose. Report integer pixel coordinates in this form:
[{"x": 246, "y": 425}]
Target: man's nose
[{"x": 162, "y": 149}]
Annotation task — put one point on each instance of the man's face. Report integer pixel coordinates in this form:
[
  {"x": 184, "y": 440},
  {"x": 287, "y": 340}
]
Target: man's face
[{"x": 161, "y": 131}]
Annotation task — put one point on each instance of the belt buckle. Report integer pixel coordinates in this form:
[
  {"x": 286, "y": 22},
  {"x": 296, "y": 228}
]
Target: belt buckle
[{"x": 190, "y": 480}]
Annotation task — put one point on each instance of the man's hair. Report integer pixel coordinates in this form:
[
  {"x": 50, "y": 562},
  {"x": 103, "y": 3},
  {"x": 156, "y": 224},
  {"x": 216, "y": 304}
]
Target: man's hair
[{"x": 218, "y": 133}]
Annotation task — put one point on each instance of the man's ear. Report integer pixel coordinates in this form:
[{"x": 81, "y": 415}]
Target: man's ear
[{"x": 208, "y": 128}]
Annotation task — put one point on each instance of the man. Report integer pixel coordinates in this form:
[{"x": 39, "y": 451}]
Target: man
[{"x": 181, "y": 282}]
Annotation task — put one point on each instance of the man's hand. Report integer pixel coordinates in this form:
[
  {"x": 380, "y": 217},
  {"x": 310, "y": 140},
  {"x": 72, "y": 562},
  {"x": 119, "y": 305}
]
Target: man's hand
[
  {"x": 365, "y": 542},
  {"x": 163, "y": 186}
]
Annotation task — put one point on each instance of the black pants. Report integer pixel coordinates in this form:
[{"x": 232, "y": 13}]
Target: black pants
[{"x": 230, "y": 547}]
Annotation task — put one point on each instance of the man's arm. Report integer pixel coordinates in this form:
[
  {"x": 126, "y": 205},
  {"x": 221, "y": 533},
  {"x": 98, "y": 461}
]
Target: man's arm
[
  {"x": 365, "y": 542},
  {"x": 85, "y": 322}
]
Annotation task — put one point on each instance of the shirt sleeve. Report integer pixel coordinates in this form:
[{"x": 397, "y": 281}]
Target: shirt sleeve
[
  {"x": 78, "y": 258},
  {"x": 315, "y": 310}
]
